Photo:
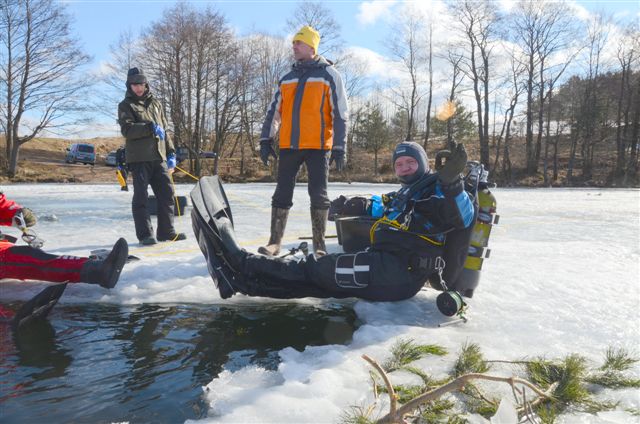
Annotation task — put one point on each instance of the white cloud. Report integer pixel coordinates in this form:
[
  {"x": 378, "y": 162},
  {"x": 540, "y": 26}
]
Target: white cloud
[
  {"x": 506, "y": 5},
  {"x": 371, "y": 11},
  {"x": 579, "y": 11},
  {"x": 375, "y": 64}
]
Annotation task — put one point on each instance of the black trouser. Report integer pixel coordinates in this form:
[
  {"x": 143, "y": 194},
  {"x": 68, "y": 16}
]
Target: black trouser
[
  {"x": 371, "y": 275},
  {"x": 156, "y": 174},
  {"x": 289, "y": 164}
]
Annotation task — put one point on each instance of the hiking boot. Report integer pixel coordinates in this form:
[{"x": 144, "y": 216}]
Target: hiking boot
[
  {"x": 278, "y": 223},
  {"x": 148, "y": 241},
  {"x": 175, "y": 237},
  {"x": 106, "y": 272}
]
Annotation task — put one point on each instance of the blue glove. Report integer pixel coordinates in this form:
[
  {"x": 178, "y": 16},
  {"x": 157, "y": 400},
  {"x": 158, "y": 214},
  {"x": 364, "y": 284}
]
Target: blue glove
[
  {"x": 158, "y": 131},
  {"x": 171, "y": 161}
]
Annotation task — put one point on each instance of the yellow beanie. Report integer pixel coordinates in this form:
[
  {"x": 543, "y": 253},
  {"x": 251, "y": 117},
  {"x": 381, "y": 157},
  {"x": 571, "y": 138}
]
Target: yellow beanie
[{"x": 309, "y": 36}]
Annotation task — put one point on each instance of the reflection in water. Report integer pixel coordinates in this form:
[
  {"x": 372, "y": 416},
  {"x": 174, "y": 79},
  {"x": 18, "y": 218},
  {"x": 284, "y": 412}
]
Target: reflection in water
[{"x": 148, "y": 363}]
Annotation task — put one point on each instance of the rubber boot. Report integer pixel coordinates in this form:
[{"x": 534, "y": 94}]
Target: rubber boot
[
  {"x": 106, "y": 272},
  {"x": 318, "y": 227},
  {"x": 278, "y": 223}
]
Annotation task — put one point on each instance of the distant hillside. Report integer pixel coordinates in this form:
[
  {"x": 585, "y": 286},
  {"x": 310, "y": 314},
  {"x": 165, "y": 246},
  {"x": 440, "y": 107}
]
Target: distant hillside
[{"x": 42, "y": 160}]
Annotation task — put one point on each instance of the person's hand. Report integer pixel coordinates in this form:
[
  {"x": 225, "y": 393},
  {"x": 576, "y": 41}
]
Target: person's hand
[
  {"x": 456, "y": 160},
  {"x": 24, "y": 217},
  {"x": 337, "y": 156},
  {"x": 158, "y": 131},
  {"x": 171, "y": 161},
  {"x": 266, "y": 150}
]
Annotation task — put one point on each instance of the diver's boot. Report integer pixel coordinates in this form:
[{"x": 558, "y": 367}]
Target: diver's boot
[
  {"x": 278, "y": 223},
  {"x": 106, "y": 272},
  {"x": 318, "y": 227}
]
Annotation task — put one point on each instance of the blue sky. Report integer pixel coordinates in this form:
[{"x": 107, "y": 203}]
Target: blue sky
[
  {"x": 99, "y": 23},
  {"x": 364, "y": 28}
]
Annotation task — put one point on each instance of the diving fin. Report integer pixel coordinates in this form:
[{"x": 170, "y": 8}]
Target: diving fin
[
  {"x": 221, "y": 273},
  {"x": 213, "y": 215},
  {"x": 39, "y": 306},
  {"x": 209, "y": 199}
]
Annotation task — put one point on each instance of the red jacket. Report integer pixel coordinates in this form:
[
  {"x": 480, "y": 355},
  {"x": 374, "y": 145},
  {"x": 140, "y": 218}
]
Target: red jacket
[{"x": 8, "y": 209}]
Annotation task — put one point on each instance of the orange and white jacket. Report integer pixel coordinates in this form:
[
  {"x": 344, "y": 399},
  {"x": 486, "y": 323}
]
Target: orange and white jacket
[{"x": 309, "y": 108}]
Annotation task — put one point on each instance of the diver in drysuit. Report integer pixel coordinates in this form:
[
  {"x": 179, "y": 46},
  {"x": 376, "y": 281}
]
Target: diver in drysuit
[{"x": 407, "y": 240}]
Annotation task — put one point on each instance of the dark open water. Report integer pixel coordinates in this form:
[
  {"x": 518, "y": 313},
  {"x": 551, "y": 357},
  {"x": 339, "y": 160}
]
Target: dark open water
[{"x": 147, "y": 363}]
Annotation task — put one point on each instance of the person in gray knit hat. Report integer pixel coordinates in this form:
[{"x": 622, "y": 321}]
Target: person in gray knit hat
[
  {"x": 411, "y": 149},
  {"x": 407, "y": 241},
  {"x": 150, "y": 156}
]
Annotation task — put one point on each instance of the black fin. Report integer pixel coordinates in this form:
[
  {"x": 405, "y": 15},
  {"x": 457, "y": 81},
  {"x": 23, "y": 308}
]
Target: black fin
[
  {"x": 219, "y": 270},
  {"x": 39, "y": 306}
]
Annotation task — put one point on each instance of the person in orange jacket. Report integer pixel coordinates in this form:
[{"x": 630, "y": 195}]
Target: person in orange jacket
[
  {"x": 30, "y": 263},
  {"x": 310, "y": 112}
]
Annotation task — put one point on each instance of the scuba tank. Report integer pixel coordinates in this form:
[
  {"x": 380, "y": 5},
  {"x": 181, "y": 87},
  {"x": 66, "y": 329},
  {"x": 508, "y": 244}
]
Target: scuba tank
[
  {"x": 451, "y": 302},
  {"x": 478, "y": 248}
]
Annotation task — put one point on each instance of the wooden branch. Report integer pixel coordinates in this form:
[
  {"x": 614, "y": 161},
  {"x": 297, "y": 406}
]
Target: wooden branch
[
  {"x": 547, "y": 395},
  {"x": 393, "y": 401},
  {"x": 457, "y": 384}
]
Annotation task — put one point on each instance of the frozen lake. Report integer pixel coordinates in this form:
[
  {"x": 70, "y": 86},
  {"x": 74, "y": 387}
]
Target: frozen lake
[{"x": 562, "y": 278}]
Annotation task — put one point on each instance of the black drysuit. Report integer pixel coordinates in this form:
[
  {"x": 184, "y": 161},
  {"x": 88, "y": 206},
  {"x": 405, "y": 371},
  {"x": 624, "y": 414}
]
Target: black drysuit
[{"x": 406, "y": 249}]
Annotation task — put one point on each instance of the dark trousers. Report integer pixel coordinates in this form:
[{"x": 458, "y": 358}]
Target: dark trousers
[
  {"x": 378, "y": 276},
  {"x": 289, "y": 163},
  {"x": 156, "y": 174}
]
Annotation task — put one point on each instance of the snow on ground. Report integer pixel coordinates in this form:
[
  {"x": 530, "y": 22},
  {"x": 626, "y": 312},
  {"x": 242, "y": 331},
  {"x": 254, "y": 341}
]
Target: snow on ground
[{"x": 563, "y": 278}]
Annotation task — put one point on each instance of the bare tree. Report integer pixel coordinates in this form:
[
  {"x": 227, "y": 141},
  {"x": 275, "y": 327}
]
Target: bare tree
[
  {"x": 167, "y": 57},
  {"x": 427, "y": 129},
  {"x": 191, "y": 57},
  {"x": 503, "y": 142},
  {"x": 319, "y": 17},
  {"x": 271, "y": 59},
  {"x": 353, "y": 76},
  {"x": 124, "y": 55},
  {"x": 590, "y": 110},
  {"x": 454, "y": 58},
  {"x": 479, "y": 22},
  {"x": 407, "y": 47},
  {"x": 40, "y": 65},
  {"x": 627, "y": 56},
  {"x": 542, "y": 29}
]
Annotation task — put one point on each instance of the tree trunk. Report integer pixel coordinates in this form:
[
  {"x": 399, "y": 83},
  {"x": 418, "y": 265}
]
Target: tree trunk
[
  {"x": 618, "y": 172},
  {"x": 428, "y": 120},
  {"x": 530, "y": 154},
  {"x": 484, "y": 141}
]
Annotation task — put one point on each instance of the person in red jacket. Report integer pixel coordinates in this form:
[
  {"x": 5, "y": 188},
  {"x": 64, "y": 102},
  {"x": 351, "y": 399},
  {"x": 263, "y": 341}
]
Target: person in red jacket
[{"x": 30, "y": 263}]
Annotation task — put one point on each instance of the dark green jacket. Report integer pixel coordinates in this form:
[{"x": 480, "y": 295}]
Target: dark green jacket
[{"x": 136, "y": 116}]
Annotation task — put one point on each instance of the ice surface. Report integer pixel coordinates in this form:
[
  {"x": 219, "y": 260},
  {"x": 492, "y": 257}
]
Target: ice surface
[{"x": 563, "y": 278}]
